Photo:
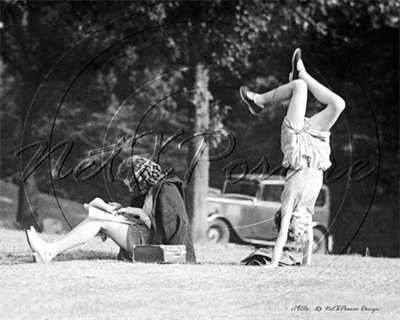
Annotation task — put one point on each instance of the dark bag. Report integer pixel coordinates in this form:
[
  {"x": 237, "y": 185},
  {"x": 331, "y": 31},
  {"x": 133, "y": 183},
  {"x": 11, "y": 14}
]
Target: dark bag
[{"x": 159, "y": 253}]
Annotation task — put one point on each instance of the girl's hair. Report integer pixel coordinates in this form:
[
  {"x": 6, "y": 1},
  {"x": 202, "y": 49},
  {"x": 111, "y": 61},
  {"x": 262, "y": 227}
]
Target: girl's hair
[
  {"x": 138, "y": 169},
  {"x": 291, "y": 235}
]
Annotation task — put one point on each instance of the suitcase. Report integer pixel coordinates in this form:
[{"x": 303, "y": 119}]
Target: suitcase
[{"x": 159, "y": 253}]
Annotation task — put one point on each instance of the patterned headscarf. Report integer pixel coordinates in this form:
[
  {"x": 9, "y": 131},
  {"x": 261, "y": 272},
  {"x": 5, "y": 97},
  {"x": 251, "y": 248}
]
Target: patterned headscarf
[{"x": 141, "y": 171}]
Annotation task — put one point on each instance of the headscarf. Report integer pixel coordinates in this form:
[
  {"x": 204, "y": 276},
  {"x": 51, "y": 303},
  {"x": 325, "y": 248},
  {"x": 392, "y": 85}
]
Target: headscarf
[{"x": 141, "y": 171}]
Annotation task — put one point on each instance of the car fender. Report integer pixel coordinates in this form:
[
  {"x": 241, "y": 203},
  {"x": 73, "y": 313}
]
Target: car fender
[
  {"x": 328, "y": 236},
  {"x": 215, "y": 216},
  {"x": 233, "y": 234}
]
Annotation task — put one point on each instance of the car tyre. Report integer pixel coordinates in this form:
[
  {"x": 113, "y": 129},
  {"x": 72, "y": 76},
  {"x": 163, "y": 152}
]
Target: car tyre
[
  {"x": 218, "y": 232},
  {"x": 320, "y": 241}
]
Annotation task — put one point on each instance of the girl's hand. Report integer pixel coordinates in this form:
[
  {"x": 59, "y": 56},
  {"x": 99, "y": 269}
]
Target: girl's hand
[
  {"x": 116, "y": 205},
  {"x": 138, "y": 212}
]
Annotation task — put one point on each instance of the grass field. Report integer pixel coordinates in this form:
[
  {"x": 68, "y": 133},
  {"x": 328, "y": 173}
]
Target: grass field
[{"x": 89, "y": 283}]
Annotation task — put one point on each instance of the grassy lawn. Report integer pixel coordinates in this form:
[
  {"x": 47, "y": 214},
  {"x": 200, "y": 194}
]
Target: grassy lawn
[{"x": 89, "y": 283}]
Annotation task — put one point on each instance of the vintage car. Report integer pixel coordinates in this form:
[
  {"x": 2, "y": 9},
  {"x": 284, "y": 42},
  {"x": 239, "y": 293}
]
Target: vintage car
[{"x": 243, "y": 213}]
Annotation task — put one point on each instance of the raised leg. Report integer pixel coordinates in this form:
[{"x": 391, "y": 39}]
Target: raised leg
[
  {"x": 325, "y": 119},
  {"x": 294, "y": 91}
]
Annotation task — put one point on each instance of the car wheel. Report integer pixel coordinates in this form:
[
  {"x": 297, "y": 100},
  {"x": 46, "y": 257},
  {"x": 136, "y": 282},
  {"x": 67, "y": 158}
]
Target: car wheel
[
  {"x": 218, "y": 232},
  {"x": 319, "y": 243}
]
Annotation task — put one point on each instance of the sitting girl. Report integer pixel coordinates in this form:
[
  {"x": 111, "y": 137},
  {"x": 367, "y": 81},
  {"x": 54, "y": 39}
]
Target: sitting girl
[{"x": 156, "y": 215}]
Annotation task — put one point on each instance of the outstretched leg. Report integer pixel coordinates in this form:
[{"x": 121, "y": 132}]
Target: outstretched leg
[
  {"x": 294, "y": 91},
  {"x": 84, "y": 232},
  {"x": 325, "y": 119}
]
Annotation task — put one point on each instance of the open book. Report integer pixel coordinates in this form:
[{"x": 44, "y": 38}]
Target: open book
[{"x": 100, "y": 210}]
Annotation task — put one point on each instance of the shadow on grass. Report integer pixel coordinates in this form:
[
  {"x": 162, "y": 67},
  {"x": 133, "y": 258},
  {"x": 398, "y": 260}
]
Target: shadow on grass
[
  {"x": 82, "y": 255},
  {"x": 14, "y": 250},
  {"x": 28, "y": 258}
]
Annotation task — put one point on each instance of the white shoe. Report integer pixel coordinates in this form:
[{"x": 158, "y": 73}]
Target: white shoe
[{"x": 38, "y": 246}]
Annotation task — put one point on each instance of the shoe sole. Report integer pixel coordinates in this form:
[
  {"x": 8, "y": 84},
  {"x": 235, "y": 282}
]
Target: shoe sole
[
  {"x": 36, "y": 256},
  {"x": 29, "y": 241},
  {"x": 295, "y": 72},
  {"x": 248, "y": 104}
]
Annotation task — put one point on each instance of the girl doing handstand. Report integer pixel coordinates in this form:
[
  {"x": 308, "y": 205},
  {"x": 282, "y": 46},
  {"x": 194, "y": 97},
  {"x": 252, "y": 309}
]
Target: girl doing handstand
[{"x": 306, "y": 150}]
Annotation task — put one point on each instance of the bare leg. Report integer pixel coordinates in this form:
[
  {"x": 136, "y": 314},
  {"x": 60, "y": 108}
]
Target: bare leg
[
  {"x": 86, "y": 231},
  {"x": 296, "y": 92},
  {"x": 324, "y": 120}
]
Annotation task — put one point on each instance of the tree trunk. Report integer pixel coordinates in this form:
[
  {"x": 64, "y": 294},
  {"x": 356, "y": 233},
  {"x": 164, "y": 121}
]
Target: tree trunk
[
  {"x": 197, "y": 187},
  {"x": 28, "y": 209}
]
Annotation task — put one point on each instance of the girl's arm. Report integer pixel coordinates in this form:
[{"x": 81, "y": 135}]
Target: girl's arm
[
  {"x": 281, "y": 240},
  {"x": 307, "y": 254},
  {"x": 138, "y": 212}
]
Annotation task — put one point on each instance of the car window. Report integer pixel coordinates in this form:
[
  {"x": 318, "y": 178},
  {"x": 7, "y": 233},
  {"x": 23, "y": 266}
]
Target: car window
[
  {"x": 321, "y": 199},
  {"x": 243, "y": 187},
  {"x": 271, "y": 192}
]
